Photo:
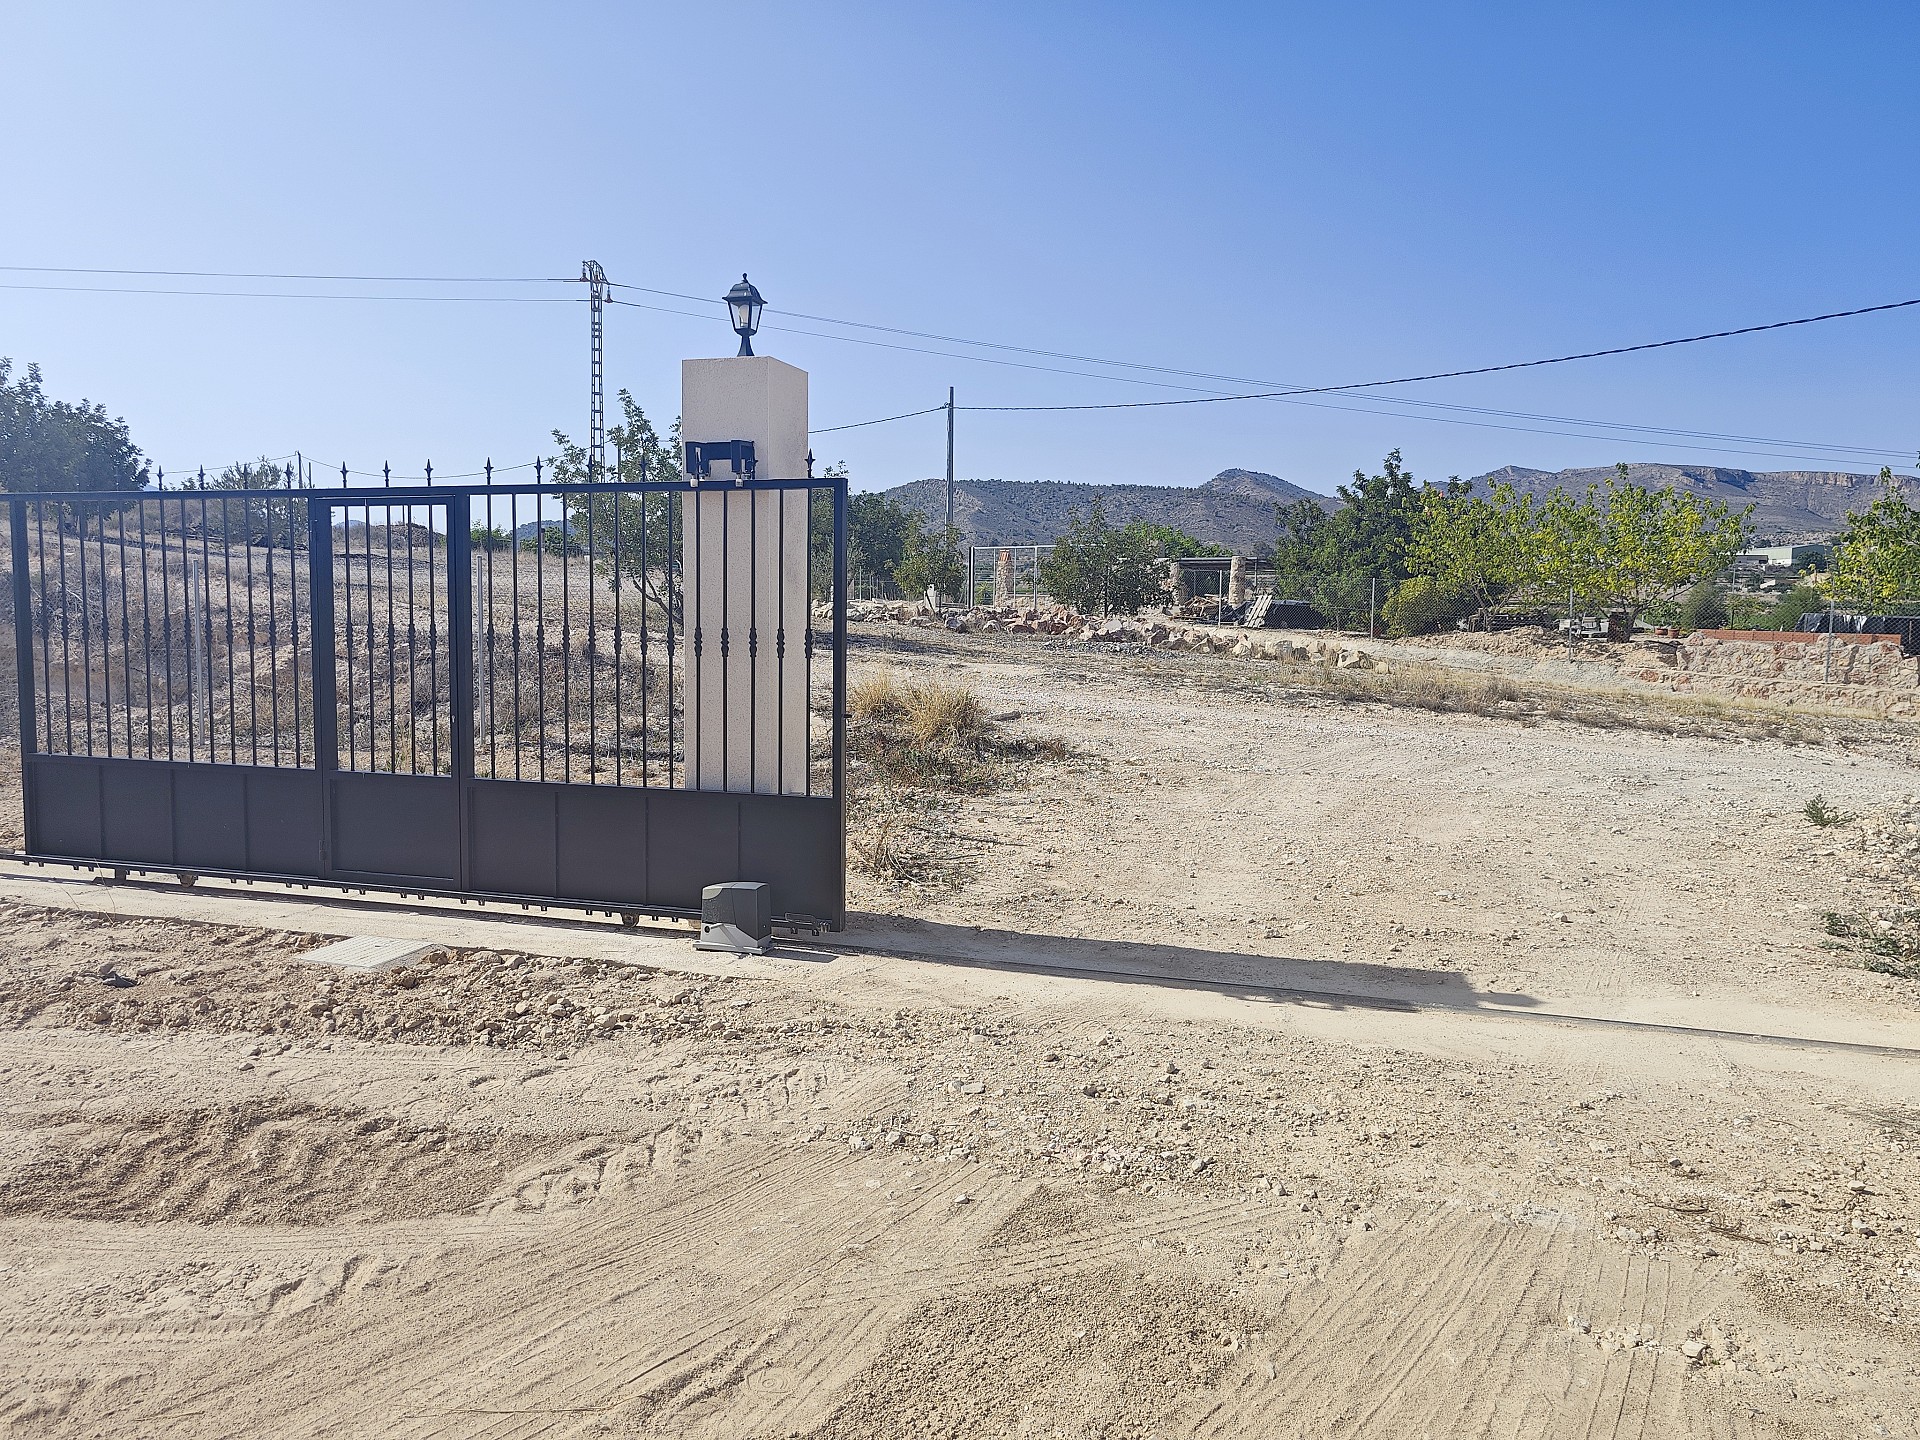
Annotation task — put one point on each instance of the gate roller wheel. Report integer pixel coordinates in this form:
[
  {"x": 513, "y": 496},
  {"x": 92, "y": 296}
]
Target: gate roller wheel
[
  {"x": 187, "y": 878},
  {"x": 629, "y": 919}
]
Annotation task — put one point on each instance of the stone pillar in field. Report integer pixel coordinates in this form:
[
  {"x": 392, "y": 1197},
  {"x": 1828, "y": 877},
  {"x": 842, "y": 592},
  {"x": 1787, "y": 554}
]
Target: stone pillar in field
[
  {"x": 1177, "y": 584},
  {"x": 1237, "y": 580},
  {"x": 1003, "y": 578},
  {"x": 744, "y": 584}
]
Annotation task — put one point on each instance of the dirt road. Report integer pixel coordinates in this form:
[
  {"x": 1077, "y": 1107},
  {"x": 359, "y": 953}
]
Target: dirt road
[{"x": 1273, "y": 1067}]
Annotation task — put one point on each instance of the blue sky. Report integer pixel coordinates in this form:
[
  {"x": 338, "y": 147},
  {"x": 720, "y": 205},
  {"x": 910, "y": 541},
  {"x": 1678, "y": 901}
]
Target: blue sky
[{"x": 1283, "y": 193}]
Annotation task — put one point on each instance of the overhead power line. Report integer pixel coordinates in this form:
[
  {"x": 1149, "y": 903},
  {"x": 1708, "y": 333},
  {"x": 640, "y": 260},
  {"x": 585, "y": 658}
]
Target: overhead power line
[
  {"x": 884, "y": 420},
  {"x": 297, "y": 295},
  {"x": 1289, "y": 393},
  {"x": 1478, "y": 370},
  {"x": 267, "y": 275}
]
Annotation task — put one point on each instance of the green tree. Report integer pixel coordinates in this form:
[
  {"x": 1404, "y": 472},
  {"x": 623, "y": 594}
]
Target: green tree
[
  {"x": 56, "y": 445},
  {"x": 1421, "y": 604},
  {"x": 1177, "y": 544},
  {"x": 1876, "y": 559},
  {"x": 878, "y": 528},
  {"x": 930, "y": 560},
  {"x": 1704, "y": 606},
  {"x": 255, "y": 520},
  {"x": 1625, "y": 547},
  {"x": 1477, "y": 547},
  {"x": 1099, "y": 568},
  {"x": 633, "y": 539}
]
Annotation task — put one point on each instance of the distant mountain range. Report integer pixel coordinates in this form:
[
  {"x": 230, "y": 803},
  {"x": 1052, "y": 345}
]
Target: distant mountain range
[{"x": 1236, "y": 507}]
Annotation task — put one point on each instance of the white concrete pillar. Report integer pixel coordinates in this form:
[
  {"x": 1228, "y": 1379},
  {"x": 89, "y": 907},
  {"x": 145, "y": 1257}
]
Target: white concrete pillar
[{"x": 745, "y": 588}]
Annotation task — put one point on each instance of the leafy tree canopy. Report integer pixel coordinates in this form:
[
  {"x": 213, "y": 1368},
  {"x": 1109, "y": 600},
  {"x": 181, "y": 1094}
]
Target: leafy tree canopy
[
  {"x": 57, "y": 445},
  {"x": 1099, "y": 568},
  {"x": 1876, "y": 560},
  {"x": 930, "y": 560}
]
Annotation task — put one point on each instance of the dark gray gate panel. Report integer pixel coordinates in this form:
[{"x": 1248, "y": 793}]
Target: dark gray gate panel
[
  {"x": 64, "y": 816},
  {"x": 793, "y": 843},
  {"x": 283, "y": 821},
  {"x": 696, "y": 843},
  {"x": 513, "y": 838},
  {"x": 136, "y": 812},
  {"x": 239, "y": 818},
  {"x": 395, "y": 828},
  {"x": 603, "y": 842},
  {"x": 209, "y": 819}
]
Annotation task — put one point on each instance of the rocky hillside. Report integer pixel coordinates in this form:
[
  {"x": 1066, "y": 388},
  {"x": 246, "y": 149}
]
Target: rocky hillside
[
  {"x": 1234, "y": 508},
  {"x": 1788, "y": 504}
]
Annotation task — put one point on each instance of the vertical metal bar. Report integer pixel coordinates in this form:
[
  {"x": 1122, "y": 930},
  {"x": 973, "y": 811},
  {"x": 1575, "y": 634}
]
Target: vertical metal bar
[
  {"x": 726, "y": 639},
  {"x": 840, "y": 688},
  {"x": 126, "y": 636},
  {"x": 807, "y": 645},
  {"x": 566, "y": 645},
  {"x": 273, "y": 637},
  {"x": 513, "y": 529},
  {"x": 646, "y": 659},
  {"x": 205, "y": 629},
  {"x": 593, "y": 654},
  {"x": 146, "y": 618},
  {"x": 66, "y": 632},
  {"x": 413, "y": 638},
  {"x": 780, "y": 647},
  {"x": 253, "y": 639},
  {"x": 226, "y": 599},
  {"x": 86, "y": 624},
  {"x": 493, "y": 728},
  {"x": 373, "y": 641},
  {"x": 619, "y": 579},
  {"x": 753, "y": 640},
  {"x": 326, "y": 692},
  {"x": 540, "y": 623},
  {"x": 433, "y": 622},
  {"x": 293, "y": 615},
  {"x": 166, "y": 625},
  {"x": 692, "y": 682},
  {"x": 460, "y": 667},
  {"x": 315, "y": 634},
  {"x": 106, "y": 624},
  {"x": 674, "y": 500},
  {"x": 23, "y": 660}
]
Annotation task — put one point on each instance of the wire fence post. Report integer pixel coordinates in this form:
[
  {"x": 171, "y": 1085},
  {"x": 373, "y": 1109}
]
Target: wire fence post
[{"x": 1826, "y": 674}]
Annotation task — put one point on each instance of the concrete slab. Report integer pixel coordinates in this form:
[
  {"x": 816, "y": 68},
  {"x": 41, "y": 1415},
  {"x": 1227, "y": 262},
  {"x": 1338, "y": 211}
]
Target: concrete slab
[{"x": 368, "y": 952}]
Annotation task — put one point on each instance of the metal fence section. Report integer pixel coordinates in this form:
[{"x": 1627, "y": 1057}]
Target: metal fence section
[
  {"x": 166, "y": 630},
  {"x": 1005, "y": 574},
  {"x": 467, "y": 690}
]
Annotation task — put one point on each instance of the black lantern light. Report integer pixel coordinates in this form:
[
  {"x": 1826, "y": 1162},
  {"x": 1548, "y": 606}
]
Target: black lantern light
[{"x": 744, "y": 302}]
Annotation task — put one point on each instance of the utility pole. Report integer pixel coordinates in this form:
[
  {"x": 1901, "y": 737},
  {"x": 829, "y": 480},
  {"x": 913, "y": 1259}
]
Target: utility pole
[
  {"x": 596, "y": 280},
  {"x": 949, "y": 458}
]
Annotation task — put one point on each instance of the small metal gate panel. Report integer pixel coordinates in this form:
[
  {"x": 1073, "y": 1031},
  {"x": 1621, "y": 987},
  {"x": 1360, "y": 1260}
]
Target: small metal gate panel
[{"x": 460, "y": 690}]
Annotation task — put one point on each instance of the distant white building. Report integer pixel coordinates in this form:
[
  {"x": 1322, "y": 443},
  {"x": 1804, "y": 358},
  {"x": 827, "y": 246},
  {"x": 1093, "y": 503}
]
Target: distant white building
[{"x": 1786, "y": 557}]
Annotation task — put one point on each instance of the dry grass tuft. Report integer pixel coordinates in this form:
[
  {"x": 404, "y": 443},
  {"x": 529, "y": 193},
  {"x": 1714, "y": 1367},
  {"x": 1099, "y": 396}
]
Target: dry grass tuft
[{"x": 912, "y": 744}]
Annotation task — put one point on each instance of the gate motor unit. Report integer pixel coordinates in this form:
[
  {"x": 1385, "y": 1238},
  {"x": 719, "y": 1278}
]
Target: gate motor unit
[{"x": 736, "y": 918}]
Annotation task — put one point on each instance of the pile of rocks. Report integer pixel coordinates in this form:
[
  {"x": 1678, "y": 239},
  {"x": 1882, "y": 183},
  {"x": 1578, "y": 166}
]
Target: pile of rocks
[{"x": 1165, "y": 632}]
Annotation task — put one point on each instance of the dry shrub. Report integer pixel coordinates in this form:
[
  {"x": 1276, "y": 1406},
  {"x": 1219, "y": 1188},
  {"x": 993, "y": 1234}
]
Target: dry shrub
[{"x": 912, "y": 743}]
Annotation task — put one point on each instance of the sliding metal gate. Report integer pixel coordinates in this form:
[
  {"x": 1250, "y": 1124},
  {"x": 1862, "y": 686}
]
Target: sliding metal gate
[{"x": 467, "y": 691}]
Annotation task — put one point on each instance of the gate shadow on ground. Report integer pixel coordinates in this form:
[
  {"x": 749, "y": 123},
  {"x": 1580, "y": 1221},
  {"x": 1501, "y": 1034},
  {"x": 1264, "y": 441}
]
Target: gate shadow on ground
[
  {"x": 1338, "y": 985},
  {"x": 1260, "y": 979}
]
